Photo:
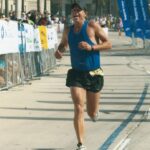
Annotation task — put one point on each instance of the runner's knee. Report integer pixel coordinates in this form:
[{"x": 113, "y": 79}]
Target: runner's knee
[{"x": 79, "y": 109}]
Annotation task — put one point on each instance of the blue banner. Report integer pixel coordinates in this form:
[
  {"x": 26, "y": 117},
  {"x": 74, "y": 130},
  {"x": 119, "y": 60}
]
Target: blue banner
[
  {"x": 138, "y": 24},
  {"x": 138, "y": 16},
  {"x": 125, "y": 17},
  {"x": 146, "y": 17}
]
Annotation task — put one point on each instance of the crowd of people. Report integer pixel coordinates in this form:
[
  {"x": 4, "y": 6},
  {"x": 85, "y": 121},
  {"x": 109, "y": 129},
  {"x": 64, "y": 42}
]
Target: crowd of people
[
  {"x": 45, "y": 18},
  {"x": 34, "y": 18},
  {"x": 111, "y": 22}
]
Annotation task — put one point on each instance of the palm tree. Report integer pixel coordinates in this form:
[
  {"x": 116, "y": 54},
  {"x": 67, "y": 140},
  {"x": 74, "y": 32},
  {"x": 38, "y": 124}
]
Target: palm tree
[
  {"x": 6, "y": 8},
  {"x": 38, "y": 5},
  {"x": 45, "y": 5},
  {"x": 1, "y": 6},
  {"x": 22, "y": 9},
  {"x": 100, "y": 6},
  {"x": 96, "y": 7}
]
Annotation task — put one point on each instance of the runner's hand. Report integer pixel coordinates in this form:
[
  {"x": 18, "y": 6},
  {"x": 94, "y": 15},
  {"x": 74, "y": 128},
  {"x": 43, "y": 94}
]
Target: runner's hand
[
  {"x": 85, "y": 45},
  {"x": 58, "y": 54}
]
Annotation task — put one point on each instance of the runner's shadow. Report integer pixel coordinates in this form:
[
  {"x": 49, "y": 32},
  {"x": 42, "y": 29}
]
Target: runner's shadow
[{"x": 57, "y": 76}]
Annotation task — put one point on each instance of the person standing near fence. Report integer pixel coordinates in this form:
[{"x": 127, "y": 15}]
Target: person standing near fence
[
  {"x": 85, "y": 78},
  {"x": 119, "y": 26}
]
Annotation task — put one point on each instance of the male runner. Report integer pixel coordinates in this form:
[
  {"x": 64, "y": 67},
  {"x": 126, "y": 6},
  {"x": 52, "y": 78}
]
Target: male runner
[{"x": 85, "y": 78}]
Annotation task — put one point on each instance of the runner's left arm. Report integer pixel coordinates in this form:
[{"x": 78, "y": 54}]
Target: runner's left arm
[{"x": 100, "y": 34}]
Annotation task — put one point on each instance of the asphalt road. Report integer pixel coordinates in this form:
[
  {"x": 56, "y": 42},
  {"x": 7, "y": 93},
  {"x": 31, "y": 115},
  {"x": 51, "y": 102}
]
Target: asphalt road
[{"x": 39, "y": 116}]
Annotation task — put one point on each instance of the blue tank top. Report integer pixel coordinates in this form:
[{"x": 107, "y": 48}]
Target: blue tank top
[{"x": 82, "y": 59}]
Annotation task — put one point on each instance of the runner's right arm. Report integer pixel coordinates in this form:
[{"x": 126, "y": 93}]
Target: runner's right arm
[{"x": 63, "y": 44}]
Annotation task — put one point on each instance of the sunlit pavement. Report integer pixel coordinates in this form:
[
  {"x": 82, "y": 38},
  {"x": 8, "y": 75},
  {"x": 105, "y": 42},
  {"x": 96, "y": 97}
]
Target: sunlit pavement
[{"x": 39, "y": 116}]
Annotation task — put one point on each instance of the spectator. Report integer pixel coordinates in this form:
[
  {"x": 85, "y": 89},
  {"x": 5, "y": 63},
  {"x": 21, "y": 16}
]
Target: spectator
[
  {"x": 119, "y": 26},
  {"x": 43, "y": 20}
]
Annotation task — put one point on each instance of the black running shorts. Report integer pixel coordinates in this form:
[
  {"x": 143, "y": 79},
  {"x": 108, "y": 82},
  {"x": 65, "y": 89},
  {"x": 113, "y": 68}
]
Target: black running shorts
[{"x": 76, "y": 78}]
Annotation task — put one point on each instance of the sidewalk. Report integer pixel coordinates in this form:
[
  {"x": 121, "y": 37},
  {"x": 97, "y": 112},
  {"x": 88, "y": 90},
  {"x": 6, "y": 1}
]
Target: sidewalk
[{"x": 123, "y": 42}]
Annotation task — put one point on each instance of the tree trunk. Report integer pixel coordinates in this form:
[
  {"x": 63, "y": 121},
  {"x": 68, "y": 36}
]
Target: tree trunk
[
  {"x": 38, "y": 5},
  {"x": 96, "y": 7},
  {"x": 1, "y": 6},
  {"x": 45, "y": 5},
  {"x": 6, "y": 8},
  {"x": 22, "y": 9}
]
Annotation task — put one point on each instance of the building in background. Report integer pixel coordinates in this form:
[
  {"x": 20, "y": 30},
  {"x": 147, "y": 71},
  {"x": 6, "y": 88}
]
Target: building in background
[
  {"x": 20, "y": 6},
  {"x": 59, "y": 7},
  {"x": 94, "y": 7}
]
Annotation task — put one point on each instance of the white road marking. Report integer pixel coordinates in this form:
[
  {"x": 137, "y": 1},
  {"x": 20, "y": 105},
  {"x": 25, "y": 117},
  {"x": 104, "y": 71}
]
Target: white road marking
[
  {"x": 148, "y": 71},
  {"x": 122, "y": 144}
]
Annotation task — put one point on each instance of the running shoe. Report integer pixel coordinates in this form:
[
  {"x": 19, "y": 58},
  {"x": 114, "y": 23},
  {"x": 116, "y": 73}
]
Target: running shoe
[
  {"x": 96, "y": 118},
  {"x": 81, "y": 147}
]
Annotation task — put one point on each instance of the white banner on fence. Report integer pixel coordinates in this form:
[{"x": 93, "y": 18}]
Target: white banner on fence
[
  {"x": 52, "y": 38},
  {"x": 55, "y": 35},
  {"x": 8, "y": 37},
  {"x": 29, "y": 34},
  {"x": 37, "y": 42},
  {"x": 26, "y": 39}
]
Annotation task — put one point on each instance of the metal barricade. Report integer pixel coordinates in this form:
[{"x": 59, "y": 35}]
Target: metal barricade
[
  {"x": 28, "y": 63},
  {"x": 52, "y": 59},
  {"x": 147, "y": 44},
  {"x": 38, "y": 63},
  {"x": 3, "y": 72},
  {"x": 33, "y": 64},
  {"x": 48, "y": 61},
  {"x": 16, "y": 69},
  {"x": 21, "y": 67},
  {"x": 10, "y": 74}
]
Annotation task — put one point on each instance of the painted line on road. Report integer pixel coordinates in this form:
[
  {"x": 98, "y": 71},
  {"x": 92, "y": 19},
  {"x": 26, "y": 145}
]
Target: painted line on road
[
  {"x": 114, "y": 135},
  {"x": 148, "y": 71},
  {"x": 122, "y": 145},
  {"x": 125, "y": 141}
]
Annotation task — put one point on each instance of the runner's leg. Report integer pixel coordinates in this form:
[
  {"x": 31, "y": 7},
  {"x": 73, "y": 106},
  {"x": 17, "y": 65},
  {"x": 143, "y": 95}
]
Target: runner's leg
[
  {"x": 92, "y": 103},
  {"x": 78, "y": 96}
]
